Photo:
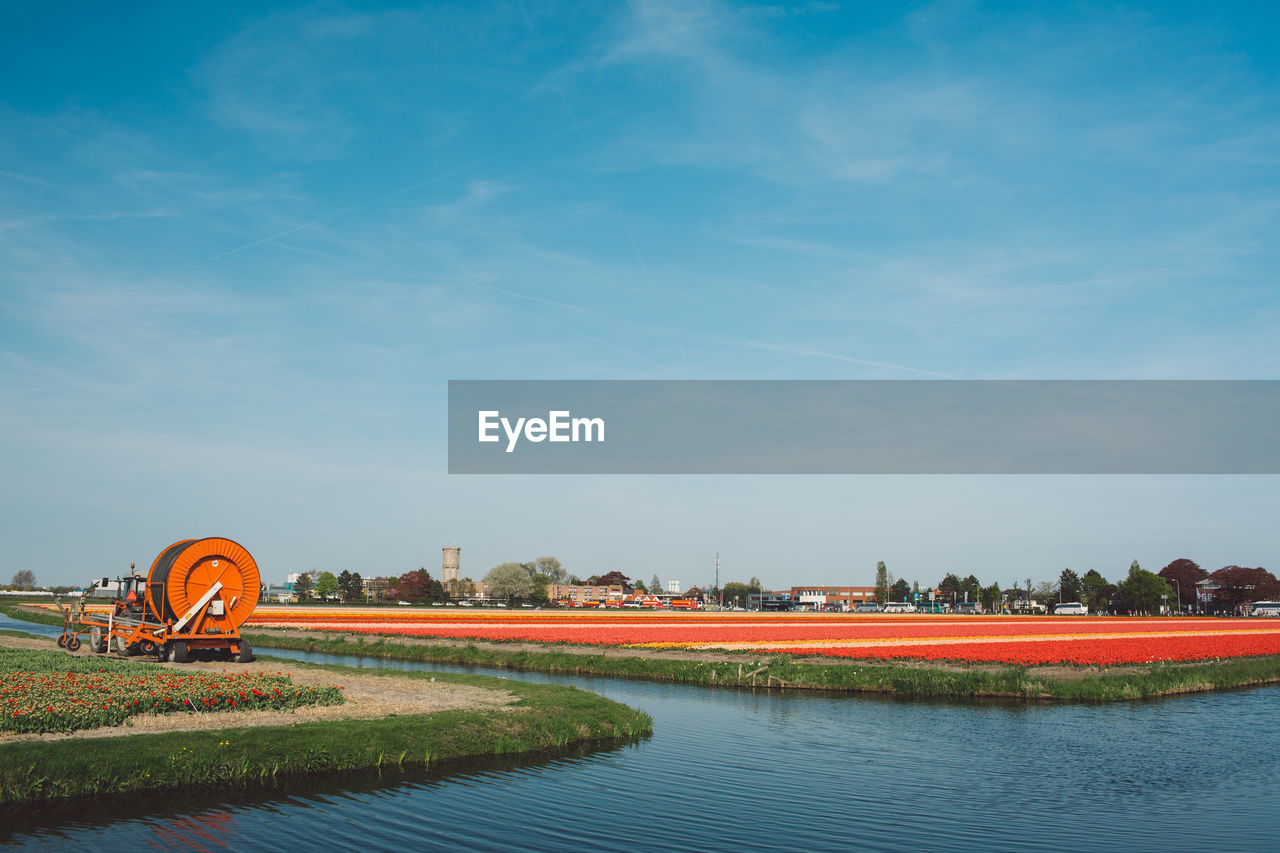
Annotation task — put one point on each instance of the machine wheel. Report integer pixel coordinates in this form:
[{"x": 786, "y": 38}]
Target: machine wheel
[
  {"x": 148, "y": 648},
  {"x": 163, "y": 653},
  {"x": 246, "y": 653},
  {"x": 73, "y": 642},
  {"x": 125, "y": 648},
  {"x": 96, "y": 641},
  {"x": 62, "y": 641},
  {"x": 180, "y": 652}
]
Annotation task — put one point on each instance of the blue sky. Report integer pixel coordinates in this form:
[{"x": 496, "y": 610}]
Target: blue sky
[{"x": 243, "y": 248}]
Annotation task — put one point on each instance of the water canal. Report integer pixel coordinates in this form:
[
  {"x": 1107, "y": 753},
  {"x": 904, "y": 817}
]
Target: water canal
[{"x": 736, "y": 770}]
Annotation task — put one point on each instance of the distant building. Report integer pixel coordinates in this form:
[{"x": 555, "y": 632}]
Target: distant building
[
  {"x": 451, "y": 563},
  {"x": 376, "y": 589},
  {"x": 582, "y": 593},
  {"x": 280, "y": 594},
  {"x": 770, "y": 601},
  {"x": 673, "y": 587},
  {"x": 831, "y": 597}
]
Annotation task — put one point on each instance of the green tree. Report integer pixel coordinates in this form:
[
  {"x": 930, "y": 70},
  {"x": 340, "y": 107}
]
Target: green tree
[
  {"x": 951, "y": 588},
  {"x": 540, "y": 583},
  {"x": 735, "y": 594},
  {"x": 350, "y": 586},
  {"x": 1069, "y": 585},
  {"x": 509, "y": 581},
  {"x": 302, "y": 586},
  {"x": 326, "y": 585},
  {"x": 655, "y": 585},
  {"x": 882, "y": 583},
  {"x": 970, "y": 589},
  {"x": 991, "y": 597},
  {"x": 900, "y": 590},
  {"x": 641, "y": 586},
  {"x": 1143, "y": 591},
  {"x": 1096, "y": 590},
  {"x": 552, "y": 568}
]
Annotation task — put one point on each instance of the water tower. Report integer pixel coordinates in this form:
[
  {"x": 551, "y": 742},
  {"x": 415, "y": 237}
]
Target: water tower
[{"x": 451, "y": 564}]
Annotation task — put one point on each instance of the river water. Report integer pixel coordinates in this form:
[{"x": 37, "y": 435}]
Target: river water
[{"x": 737, "y": 770}]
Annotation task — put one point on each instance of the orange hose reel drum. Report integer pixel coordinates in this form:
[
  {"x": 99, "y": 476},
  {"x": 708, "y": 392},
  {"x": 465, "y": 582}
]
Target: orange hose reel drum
[{"x": 186, "y": 570}]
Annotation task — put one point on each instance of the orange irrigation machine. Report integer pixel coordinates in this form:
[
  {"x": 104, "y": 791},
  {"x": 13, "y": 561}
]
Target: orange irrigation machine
[{"x": 190, "y": 605}]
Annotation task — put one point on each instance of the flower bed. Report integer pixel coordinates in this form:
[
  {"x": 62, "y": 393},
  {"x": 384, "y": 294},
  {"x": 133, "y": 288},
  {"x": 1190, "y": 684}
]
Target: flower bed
[
  {"x": 1022, "y": 640},
  {"x": 54, "y": 692}
]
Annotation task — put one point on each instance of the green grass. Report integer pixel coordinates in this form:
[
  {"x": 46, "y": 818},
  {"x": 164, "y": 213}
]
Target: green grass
[
  {"x": 544, "y": 719},
  {"x": 1020, "y": 683},
  {"x": 40, "y": 617}
]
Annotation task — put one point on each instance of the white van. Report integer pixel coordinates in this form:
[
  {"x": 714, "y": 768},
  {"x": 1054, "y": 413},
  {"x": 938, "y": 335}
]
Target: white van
[{"x": 1070, "y": 608}]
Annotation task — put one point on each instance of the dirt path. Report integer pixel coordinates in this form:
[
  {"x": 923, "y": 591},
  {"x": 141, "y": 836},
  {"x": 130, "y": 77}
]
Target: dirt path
[{"x": 367, "y": 696}]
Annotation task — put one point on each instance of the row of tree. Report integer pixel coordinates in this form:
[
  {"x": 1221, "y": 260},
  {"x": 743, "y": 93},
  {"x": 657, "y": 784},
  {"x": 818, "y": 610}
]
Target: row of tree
[
  {"x": 1140, "y": 591},
  {"x": 347, "y": 586}
]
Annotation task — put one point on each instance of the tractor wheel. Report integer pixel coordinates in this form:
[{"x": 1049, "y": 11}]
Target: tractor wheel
[
  {"x": 180, "y": 652},
  {"x": 126, "y": 648},
  {"x": 246, "y": 653},
  {"x": 96, "y": 641},
  {"x": 148, "y": 647},
  {"x": 62, "y": 641},
  {"x": 73, "y": 642},
  {"x": 163, "y": 653}
]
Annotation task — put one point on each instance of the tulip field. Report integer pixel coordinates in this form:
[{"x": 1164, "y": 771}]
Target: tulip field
[
  {"x": 52, "y": 692},
  {"x": 1025, "y": 640}
]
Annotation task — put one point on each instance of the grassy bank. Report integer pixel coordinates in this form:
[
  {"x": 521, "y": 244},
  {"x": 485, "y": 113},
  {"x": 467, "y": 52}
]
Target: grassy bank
[
  {"x": 545, "y": 719},
  {"x": 26, "y": 614},
  {"x": 1073, "y": 684}
]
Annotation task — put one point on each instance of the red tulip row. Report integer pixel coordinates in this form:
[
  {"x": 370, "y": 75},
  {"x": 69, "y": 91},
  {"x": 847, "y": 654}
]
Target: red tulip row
[{"x": 66, "y": 701}]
